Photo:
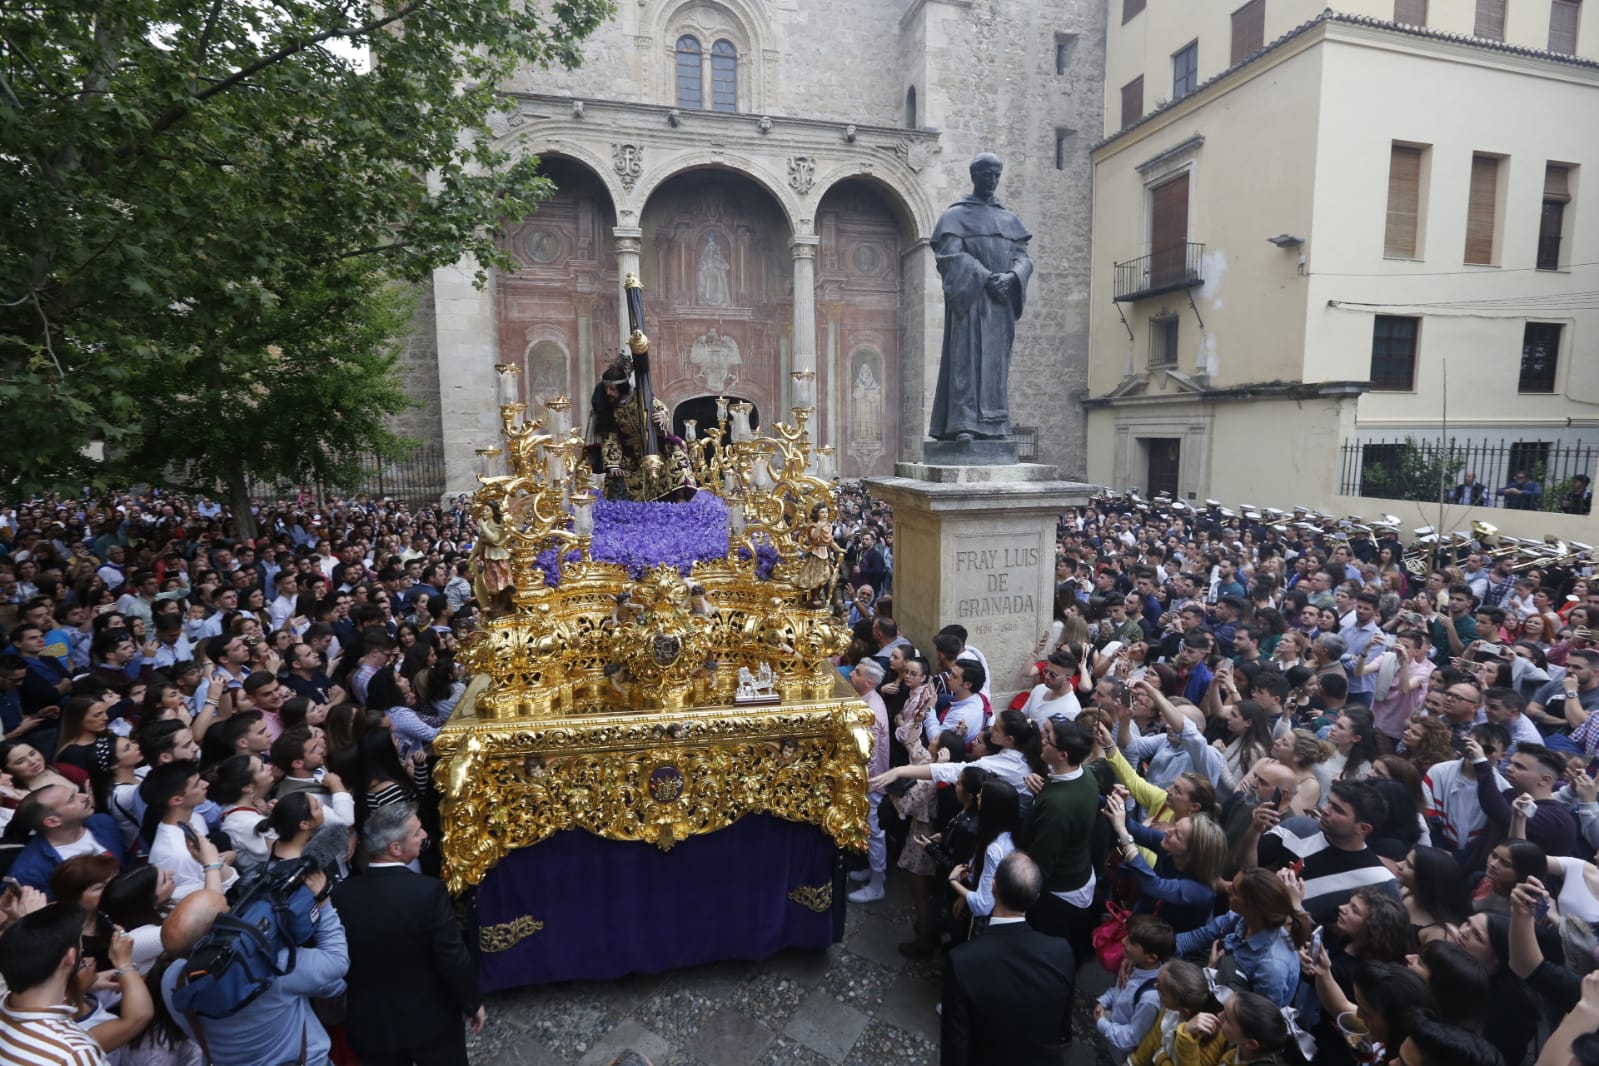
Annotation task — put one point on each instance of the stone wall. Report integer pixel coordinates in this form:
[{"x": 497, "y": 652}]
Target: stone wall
[{"x": 418, "y": 371}]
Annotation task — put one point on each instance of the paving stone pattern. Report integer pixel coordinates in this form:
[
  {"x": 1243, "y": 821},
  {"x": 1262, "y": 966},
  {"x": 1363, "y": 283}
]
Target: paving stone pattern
[{"x": 860, "y": 1003}]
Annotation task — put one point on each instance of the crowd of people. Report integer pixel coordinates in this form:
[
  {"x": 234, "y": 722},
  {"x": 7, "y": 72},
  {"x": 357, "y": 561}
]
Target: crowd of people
[
  {"x": 1305, "y": 802},
  {"x": 195, "y": 723}
]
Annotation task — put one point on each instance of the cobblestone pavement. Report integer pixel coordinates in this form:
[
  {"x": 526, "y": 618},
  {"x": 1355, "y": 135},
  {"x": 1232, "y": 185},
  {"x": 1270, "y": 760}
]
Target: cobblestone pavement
[{"x": 860, "y": 1003}]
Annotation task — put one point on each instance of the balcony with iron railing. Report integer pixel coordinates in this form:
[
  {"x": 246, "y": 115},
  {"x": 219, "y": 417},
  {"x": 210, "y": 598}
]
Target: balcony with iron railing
[{"x": 1169, "y": 269}]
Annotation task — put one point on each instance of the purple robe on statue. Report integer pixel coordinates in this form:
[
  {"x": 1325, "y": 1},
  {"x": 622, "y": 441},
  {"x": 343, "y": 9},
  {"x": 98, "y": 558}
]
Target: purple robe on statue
[{"x": 974, "y": 240}]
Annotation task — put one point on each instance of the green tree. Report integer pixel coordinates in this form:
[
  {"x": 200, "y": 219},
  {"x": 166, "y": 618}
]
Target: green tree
[
  {"x": 308, "y": 407},
  {"x": 201, "y": 203},
  {"x": 1414, "y": 471}
]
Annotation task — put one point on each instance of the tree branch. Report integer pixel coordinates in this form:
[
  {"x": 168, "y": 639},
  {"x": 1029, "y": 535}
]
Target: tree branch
[
  {"x": 372, "y": 250},
  {"x": 174, "y": 115},
  {"x": 48, "y": 347},
  {"x": 205, "y": 36}
]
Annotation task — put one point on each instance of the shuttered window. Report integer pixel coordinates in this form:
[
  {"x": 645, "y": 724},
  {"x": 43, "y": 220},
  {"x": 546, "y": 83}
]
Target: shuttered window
[
  {"x": 1404, "y": 202},
  {"x": 1131, "y": 8},
  {"x": 1563, "y": 26},
  {"x": 1132, "y": 101},
  {"x": 1490, "y": 19},
  {"x": 1249, "y": 30},
  {"x": 1557, "y": 183},
  {"x": 1410, "y": 12},
  {"x": 1168, "y": 232},
  {"x": 1480, "y": 205}
]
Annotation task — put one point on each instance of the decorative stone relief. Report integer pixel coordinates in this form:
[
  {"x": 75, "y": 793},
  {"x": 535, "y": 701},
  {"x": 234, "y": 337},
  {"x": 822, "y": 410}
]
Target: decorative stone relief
[
  {"x": 917, "y": 154},
  {"x": 715, "y": 358},
  {"x": 628, "y": 162},
  {"x": 503, "y": 122},
  {"x": 801, "y": 173}
]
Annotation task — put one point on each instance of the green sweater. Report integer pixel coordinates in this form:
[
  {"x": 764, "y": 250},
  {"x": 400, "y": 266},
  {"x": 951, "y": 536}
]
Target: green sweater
[{"x": 1059, "y": 832}]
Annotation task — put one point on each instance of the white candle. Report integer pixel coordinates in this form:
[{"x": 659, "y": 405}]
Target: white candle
[{"x": 509, "y": 388}]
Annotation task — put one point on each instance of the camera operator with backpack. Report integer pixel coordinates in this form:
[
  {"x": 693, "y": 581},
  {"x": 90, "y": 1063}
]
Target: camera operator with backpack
[{"x": 243, "y": 978}]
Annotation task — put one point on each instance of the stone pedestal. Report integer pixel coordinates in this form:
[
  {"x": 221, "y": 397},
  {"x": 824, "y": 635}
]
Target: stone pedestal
[{"x": 975, "y": 546}]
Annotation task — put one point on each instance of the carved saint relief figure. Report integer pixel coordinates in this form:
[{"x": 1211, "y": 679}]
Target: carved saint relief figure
[
  {"x": 713, "y": 287},
  {"x": 546, "y": 371},
  {"x": 867, "y": 408},
  {"x": 715, "y": 359}
]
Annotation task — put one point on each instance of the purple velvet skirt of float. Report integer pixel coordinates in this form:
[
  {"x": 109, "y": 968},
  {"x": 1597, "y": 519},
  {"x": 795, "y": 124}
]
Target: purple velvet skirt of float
[{"x": 578, "y": 907}]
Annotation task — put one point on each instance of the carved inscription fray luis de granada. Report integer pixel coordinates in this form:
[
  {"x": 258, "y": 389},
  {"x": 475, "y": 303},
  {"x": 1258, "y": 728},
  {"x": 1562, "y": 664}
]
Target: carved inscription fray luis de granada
[{"x": 996, "y": 579}]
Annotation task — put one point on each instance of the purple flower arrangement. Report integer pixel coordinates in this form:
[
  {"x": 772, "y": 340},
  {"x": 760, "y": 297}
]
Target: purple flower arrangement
[{"x": 641, "y": 536}]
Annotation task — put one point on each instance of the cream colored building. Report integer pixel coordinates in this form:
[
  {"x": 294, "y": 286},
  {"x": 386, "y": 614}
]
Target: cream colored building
[{"x": 1424, "y": 184}]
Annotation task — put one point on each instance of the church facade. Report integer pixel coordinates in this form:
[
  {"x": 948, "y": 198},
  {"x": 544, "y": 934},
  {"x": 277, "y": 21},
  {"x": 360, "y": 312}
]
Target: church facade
[{"x": 772, "y": 170}]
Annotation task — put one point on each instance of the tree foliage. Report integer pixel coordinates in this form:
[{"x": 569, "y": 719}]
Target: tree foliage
[
  {"x": 1415, "y": 470},
  {"x": 203, "y": 201}
]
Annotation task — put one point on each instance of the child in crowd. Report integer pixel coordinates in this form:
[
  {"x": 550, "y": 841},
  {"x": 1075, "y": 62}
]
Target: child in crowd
[{"x": 1127, "y": 1010}]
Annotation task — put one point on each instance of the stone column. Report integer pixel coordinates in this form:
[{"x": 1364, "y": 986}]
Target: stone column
[
  {"x": 468, "y": 347},
  {"x": 629, "y": 242},
  {"x": 804, "y": 248},
  {"x": 834, "y": 396},
  {"x": 585, "y": 355}
]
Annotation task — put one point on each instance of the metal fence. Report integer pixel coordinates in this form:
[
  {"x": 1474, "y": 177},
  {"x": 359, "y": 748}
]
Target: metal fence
[
  {"x": 1411, "y": 469},
  {"x": 1026, "y": 443},
  {"x": 1176, "y": 266},
  {"x": 418, "y": 479}
]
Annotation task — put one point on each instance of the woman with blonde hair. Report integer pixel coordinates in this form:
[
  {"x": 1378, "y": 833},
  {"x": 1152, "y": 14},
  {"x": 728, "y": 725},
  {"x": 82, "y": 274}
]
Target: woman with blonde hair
[
  {"x": 1193, "y": 852},
  {"x": 1301, "y": 751}
]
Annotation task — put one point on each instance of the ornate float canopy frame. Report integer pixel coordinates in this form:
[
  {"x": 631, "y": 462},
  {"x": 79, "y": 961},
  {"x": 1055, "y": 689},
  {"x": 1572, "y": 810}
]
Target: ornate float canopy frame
[{"x": 604, "y": 693}]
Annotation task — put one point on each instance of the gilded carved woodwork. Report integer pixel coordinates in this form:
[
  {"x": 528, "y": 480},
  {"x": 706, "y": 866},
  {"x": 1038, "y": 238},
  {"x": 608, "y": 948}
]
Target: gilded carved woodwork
[{"x": 604, "y": 701}]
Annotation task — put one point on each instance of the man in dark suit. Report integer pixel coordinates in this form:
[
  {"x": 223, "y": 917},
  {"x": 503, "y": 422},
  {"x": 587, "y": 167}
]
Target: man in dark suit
[
  {"x": 1008, "y": 994},
  {"x": 412, "y": 985}
]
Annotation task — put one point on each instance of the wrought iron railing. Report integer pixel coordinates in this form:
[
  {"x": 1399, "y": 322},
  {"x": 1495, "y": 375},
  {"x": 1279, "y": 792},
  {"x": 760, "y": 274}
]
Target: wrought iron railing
[
  {"x": 1412, "y": 469},
  {"x": 1176, "y": 266}
]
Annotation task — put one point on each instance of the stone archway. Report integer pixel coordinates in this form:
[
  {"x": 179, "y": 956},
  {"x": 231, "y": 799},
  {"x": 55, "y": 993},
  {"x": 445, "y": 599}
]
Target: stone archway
[
  {"x": 718, "y": 272},
  {"x": 861, "y": 326},
  {"x": 557, "y": 310}
]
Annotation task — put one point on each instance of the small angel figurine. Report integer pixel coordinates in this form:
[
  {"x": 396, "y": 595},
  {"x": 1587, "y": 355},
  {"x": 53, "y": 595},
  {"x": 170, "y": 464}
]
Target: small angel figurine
[{"x": 819, "y": 553}]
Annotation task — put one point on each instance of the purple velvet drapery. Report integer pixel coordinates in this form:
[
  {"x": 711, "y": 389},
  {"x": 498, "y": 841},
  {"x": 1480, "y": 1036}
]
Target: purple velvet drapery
[{"x": 611, "y": 908}]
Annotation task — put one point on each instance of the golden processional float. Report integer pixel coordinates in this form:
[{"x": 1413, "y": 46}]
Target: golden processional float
[{"x": 622, "y": 694}]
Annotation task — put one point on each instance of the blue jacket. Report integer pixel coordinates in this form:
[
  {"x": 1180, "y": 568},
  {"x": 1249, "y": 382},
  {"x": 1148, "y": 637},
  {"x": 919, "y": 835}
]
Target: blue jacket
[
  {"x": 270, "y": 1028},
  {"x": 38, "y": 860},
  {"x": 1185, "y": 903},
  {"x": 1267, "y": 962}
]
